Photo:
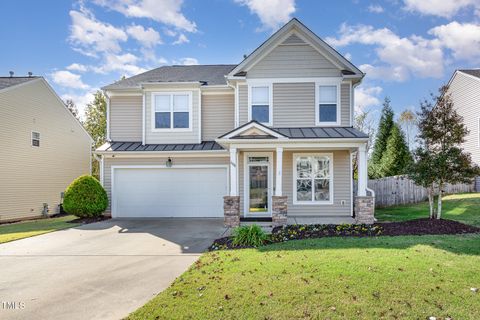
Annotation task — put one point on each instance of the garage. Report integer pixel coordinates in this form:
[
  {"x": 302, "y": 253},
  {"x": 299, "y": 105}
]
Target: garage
[{"x": 151, "y": 192}]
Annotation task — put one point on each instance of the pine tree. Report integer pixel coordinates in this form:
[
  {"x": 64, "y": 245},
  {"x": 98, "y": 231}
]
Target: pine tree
[
  {"x": 397, "y": 158},
  {"x": 383, "y": 133},
  {"x": 441, "y": 157}
]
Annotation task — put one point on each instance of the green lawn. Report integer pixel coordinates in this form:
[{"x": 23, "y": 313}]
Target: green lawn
[
  {"x": 20, "y": 230},
  {"x": 412, "y": 277},
  {"x": 461, "y": 207}
]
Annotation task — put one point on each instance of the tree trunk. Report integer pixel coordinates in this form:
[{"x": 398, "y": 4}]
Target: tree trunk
[
  {"x": 430, "y": 202},
  {"x": 439, "y": 205}
]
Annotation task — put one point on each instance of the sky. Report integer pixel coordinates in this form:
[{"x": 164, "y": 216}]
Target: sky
[{"x": 407, "y": 48}]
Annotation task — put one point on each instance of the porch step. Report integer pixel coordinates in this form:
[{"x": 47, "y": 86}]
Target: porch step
[{"x": 264, "y": 223}]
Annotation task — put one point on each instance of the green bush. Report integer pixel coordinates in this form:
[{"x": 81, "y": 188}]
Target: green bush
[
  {"x": 85, "y": 197},
  {"x": 251, "y": 236}
]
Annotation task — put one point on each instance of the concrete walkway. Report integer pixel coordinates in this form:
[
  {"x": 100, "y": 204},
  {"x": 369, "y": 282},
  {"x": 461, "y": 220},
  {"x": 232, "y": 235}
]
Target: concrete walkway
[{"x": 102, "y": 270}]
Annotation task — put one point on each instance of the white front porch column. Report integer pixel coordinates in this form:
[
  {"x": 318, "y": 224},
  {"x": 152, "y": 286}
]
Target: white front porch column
[
  {"x": 278, "y": 178},
  {"x": 233, "y": 172},
  {"x": 362, "y": 171}
]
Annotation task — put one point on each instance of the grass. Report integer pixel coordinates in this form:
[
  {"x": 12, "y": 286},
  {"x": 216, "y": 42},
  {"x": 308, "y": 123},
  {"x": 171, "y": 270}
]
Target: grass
[
  {"x": 20, "y": 230},
  {"x": 409, "y": 277},
  {"x": 460, "y": 207}
]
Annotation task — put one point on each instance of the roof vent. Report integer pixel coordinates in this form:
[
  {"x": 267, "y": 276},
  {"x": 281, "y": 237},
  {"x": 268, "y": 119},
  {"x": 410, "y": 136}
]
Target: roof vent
[
  {"x": 30, "y": 74},
  {"x": 11, "y": 73}
]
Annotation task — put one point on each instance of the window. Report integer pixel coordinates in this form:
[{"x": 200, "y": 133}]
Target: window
[
  {"x": 313, "y": 179},
  {"x": 327, "y": 104},
  {"x": 171, "y": 110},
  {"x": 35, "y": 139},
  {"x": 260, "y": 109}
]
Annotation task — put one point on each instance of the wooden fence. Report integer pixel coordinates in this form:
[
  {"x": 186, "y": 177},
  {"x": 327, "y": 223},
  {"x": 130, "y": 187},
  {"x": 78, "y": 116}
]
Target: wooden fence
[{"x": 397, "y": 190}]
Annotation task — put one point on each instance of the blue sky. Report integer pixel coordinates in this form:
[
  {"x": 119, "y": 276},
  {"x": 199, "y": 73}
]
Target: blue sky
[{"x": 408, "y": 48}]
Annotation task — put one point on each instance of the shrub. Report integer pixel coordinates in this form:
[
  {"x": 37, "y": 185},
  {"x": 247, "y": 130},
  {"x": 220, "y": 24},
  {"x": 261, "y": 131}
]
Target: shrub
[
  {"x": 85, "y": 197},
  {"x": 251, "y": 236}
]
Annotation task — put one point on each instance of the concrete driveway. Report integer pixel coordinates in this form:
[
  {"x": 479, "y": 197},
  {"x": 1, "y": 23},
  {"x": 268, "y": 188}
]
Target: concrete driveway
[{"x": 102, "y": 270}]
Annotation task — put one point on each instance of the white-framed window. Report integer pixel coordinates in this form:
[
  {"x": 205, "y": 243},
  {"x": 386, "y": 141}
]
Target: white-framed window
[
  {"x": 171, "y": 111},
  {"x": 260, "y": 106},
  {"x": 313, "y": 178},
  {"x": 327, "y": 106},
  {"x": 35, "y": 139}
]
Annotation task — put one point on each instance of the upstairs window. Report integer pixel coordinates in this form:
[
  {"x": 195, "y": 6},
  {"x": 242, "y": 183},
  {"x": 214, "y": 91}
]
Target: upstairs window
[
  {"x": 35, "y": 139},
  {"x": 260, "y": 109},
  {"x": 327, "y": 105},
  {"x": 172, "y": 110}
]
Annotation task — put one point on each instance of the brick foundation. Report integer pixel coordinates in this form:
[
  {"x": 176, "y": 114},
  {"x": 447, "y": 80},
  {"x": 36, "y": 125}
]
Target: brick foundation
[
  {"x": 279, "y": 210},
  {"x": 231, "y": 211},
  {"x": 364, "y": 210}
]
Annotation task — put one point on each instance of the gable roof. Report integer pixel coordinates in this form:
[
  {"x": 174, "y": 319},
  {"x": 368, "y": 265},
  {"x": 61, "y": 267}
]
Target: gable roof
[
  {"x": 207, "y": 75},
  {"x": 294, "y": 24},
  {"x": 472, "y": 72},
  {"x": 6, "y": 82}
]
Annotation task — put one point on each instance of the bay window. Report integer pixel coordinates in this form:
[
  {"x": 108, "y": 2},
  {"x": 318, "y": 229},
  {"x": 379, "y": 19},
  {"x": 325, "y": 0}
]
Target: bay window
[
  {"x": 172, "y": 110},
  {"x": 313, "y": 178}
]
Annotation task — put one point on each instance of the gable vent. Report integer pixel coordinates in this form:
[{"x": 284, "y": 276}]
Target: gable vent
[{"x": 293, "y": 39}]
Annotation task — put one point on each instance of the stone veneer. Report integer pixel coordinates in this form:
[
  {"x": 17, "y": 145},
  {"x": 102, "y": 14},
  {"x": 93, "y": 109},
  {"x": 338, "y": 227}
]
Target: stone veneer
[
  {"x": 279, "y": 210},
  {"x": 231, "y": 211},
  {"x": 364, "y": 210}
]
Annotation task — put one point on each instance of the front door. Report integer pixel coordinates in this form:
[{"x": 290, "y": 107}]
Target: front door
[{"x": 258, "y": 178}]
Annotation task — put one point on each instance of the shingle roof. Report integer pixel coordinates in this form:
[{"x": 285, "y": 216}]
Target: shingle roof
[
  {"x": 207, "y": 74},
  {"x": 472, "y": 72},
  {"x": 137, "y": 146},
  {"x": 6, "y": 82},
  {"x": 317, "y": 132}
]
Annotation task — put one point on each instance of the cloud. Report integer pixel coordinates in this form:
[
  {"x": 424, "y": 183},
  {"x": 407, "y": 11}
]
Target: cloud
[
  {"x": 181, "y": 39},
  {"x": 147, "y": 37},
  {"x": 68, "y": 79},
  {"x": 462, "y": 39},
  {"x": 366, "y": 96},
  {"x": 80, "y": 100},
  {"x": 272, "y": 13},
  {"x": 125, "y": 64},
  {"x": 91, "y": 36},
  {"x": 401, "y": 58},
  {"x": 186, "y": 61},
  {"x": 440, "y": 8},
  {"x": 165, "y": 11},
  {"x": 375, "y": 8},
  {"x": 77, "y": 67}
]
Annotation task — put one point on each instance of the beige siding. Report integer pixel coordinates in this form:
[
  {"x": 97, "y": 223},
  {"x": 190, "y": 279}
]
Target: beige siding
[
  {"x": 341, "y": 184},
  {"x": 109, "y": 162},
  {"x": 218, "y": 115},
  {"x": 126, "y": 118},
  {"x": 192, "y": 136},
  {"x": 466, "y": 96},
  {"x": 31, "y": 176},
  {"x": 299, "y": 61},
  {"x": 294, "y": 104}
]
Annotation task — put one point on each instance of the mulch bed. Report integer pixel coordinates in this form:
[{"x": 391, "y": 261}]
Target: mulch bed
[{"x": 411, "y": 227}]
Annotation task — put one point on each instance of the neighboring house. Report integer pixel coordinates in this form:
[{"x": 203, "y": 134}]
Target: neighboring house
[
  {"x": 464, "y": 87},
  {"x": 266, "y": 139},
  {"x": 43, "y": 148}
]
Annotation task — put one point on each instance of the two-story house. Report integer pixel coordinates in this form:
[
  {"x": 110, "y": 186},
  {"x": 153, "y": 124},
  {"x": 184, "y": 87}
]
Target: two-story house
[
  {"x": 464, "y": 88},
  {"x": 268, "y": 139}
]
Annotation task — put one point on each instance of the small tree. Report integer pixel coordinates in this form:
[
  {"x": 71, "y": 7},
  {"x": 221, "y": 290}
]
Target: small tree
[
  {"x": 441, "y": 159},
  {"x": 383, "y": 133},
  {"x": 96, "y": 124},
  {"x": 397, "y": 158},
  {"x": 85, "y": 197}
]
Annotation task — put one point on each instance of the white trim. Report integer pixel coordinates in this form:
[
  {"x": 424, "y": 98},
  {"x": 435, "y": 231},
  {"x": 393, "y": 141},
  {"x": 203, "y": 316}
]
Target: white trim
[
  {"x": 102, "y": 171},
  {"x": 269, "y": 85},
  {"x": 351, "y": 181},
  {"x": 124, "y": 93},
  {"x": 246, "y": 182},
  {"x": 337, "y": 84},
  {"x": 171, "y": 94},
  {"x": 248, "y": 127},
  {"x": 350, "y": 99},
  {"x": 294, "y": 178},
  {"x": 362, "y": 168},
  {"x": 107, "y": 102},
  {"x": 199, "y": 115},
  {"x": 187, "y": 83},
  {"x": 294, "y": 143},
  {"x": 143, "y": 119},
  {"x": 233, "y": 172},
  {"x": 154, "y": 154},
  {"x": 112, "y": 176},
  {"x": 237, "y": 112},
  {"x": 279, "y": 172},
  {"x": 260, "y": 81}
]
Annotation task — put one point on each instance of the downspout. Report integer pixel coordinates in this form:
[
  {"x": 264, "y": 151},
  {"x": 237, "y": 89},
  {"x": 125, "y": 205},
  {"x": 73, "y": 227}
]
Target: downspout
[
  {"x": 235, "y": 90},
  {"x": 100, "y": 165}
]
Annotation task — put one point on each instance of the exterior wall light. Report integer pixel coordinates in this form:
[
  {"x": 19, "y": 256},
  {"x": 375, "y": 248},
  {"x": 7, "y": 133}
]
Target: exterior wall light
[{"x": 169, "y": 162}]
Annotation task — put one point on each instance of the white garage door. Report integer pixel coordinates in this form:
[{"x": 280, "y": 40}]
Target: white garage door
[{"x": 168, "y": 192}]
